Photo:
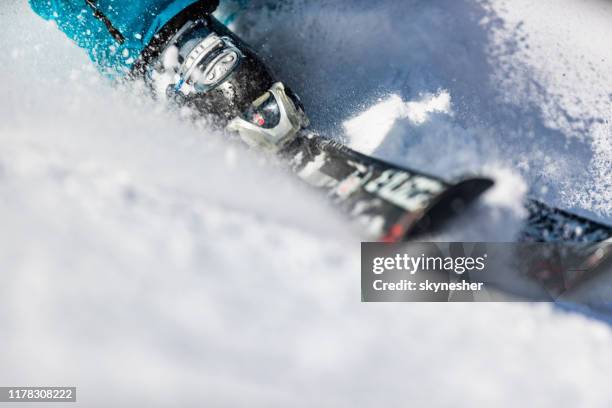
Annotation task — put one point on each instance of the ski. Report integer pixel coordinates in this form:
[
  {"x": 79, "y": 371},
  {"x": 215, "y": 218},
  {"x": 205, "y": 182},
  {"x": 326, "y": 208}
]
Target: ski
[
  {"x": 587, "y": 242},
  {"x": 393, "y": 204},
  {"x": 549, "y": 224},
  {"x": 389, "y": 202}
]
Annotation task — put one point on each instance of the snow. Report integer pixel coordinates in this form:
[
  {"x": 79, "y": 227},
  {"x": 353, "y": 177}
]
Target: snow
[
  {"x": 150, "y": 263},
  {"x": 369, "y": 129},
  {"x": 529, "y": 84}
]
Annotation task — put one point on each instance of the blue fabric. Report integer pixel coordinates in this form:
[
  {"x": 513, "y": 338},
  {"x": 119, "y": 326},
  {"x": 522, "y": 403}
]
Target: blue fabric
[{"x": 136, "y": 20}]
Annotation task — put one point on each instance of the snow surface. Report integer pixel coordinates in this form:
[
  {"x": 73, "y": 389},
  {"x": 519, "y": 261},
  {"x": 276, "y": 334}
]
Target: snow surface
[{"x": 150, "y": 263}]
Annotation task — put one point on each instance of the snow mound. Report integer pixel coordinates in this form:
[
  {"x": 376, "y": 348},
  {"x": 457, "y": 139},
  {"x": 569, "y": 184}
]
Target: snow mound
[{"x": 367, "y": 130}]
